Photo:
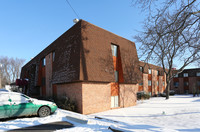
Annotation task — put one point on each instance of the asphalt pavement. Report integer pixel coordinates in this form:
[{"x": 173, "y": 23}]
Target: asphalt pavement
[{"x": 45, "y": 127}]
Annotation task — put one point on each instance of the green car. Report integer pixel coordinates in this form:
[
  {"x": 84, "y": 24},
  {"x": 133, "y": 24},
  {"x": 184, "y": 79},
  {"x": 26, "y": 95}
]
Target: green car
[{"x": 13, "y": 104}]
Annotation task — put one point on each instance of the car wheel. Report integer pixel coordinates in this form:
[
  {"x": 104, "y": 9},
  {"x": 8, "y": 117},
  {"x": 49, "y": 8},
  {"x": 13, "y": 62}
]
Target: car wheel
[{"x": 44, "y": 111}]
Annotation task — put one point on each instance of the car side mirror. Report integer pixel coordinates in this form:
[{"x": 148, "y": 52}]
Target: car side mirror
[{"x": 30, "y": 101}]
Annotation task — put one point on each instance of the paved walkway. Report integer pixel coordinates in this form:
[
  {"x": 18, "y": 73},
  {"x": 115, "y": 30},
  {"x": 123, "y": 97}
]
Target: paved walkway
[{"x": 45, "y": 127}]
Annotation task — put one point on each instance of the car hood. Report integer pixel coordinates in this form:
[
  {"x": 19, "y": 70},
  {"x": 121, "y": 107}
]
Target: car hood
[{"x": 41, "y": 102}]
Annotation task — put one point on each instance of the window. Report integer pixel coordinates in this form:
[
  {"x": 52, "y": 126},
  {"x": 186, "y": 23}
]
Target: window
[
  {"x": 157, "y": 83},
  {"x": 17, "y": 98},
  {"x": 163, "y": 83},
  {"x": 149, "y": 71},
  {"x": 198, "y": 83},
  {"x": 185, "y": 83},
  {"x": 116, "y": 76},
  {"x": 140, "y": 84},
  {"x": 198, "y": 74},
  {"x": 43, "y": 81},
  {"x": 53, "y": 56},
  {"x": 114, "y": 101},
  {"x": 43, "y": 61},
  {"x": 185, "y": 74},
  {"x": 149, "y": 82},
  {"x": 114, "y": 50},
  {"x": 141, "y": 68},
  {"x": 176, "y": 84},
  {"x": 176, "y": 75},
  {"x": 158, "y": 73}
]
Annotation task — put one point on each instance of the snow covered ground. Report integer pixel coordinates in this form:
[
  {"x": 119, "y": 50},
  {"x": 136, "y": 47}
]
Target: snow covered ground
[{"x": 181, "y": 113}]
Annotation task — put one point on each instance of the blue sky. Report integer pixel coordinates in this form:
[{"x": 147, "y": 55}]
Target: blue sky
[{"x": 28, "y": 26}]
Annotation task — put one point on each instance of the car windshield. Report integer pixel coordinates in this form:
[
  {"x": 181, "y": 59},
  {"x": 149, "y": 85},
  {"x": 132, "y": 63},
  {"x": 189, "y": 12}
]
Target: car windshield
[{"x": 25, "y": 96}]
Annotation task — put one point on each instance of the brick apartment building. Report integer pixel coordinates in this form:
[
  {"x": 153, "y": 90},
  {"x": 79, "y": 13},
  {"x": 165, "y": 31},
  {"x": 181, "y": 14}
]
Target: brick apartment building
[
  {"x": 94, "y": 67},
  {"x": 153, "y": 79},
  {"x": 184, "y": 82}
]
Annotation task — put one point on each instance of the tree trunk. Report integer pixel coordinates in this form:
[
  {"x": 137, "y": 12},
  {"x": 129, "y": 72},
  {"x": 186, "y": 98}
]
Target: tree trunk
[{"x": 167, "y": 89}]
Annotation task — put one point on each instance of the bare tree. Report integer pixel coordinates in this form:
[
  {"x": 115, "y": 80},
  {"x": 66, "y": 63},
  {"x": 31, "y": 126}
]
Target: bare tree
[
  {"x": 10, "y": 69},
  {"x": 171, "y": 35}
]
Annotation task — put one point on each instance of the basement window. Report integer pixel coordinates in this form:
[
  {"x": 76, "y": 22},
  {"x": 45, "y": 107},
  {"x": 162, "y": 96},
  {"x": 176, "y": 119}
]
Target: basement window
[{"x": 114, "y": 101}]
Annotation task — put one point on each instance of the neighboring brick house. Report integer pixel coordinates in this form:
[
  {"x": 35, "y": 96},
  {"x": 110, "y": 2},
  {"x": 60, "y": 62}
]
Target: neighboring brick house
[
  {"x": 153, "y": 79},
  {"x": 184, "y": 82},
  {"x": 96, "y": 68}
]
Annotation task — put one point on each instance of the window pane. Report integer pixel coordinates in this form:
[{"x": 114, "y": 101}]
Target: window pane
[
  {"x": 53, "y": 56},
  {"x": 176, "y": 75},
  {"x": 198, "y": 74},
  {"x": 149, "y": 71},
  {"x": 149, "y": 83},
  {"x": 116, "y": 101},
  {"x": 114, "y": 50},
  {"x": 198, "y": 83},
  {"x": 116, "y": 76},
  {"x": 141, "y": 68},
  {"x": 185, "y": 74},
  {"x": 112, "y": 101},
  {"x": 176, "y": 84},
  {"x": 185, "y": 83},
  {"x": 43, "y": 62}
]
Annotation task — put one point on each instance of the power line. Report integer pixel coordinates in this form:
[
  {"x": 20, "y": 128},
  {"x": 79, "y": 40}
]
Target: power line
[{"x": 73, "y": 9}]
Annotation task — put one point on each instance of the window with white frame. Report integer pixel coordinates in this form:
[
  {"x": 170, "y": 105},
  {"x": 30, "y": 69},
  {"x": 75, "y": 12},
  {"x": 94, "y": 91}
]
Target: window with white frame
[
  {"x": 114, "y": 101},
  {"x": 185, "y": 74}
]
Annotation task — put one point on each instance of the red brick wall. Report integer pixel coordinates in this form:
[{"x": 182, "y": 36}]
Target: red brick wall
[
  {"x": 48, "y": 74},
  {"x": 73, "y": 91},
  {"x": 127, "y": 94},
  {"x": 96, "y": 97},
  {"x": 145, "y": 82}
]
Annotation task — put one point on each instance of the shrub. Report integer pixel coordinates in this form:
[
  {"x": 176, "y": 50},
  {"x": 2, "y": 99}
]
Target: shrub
[
  {"x": 65, "y": 103},
  {"x": 142, "y": 95}
]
